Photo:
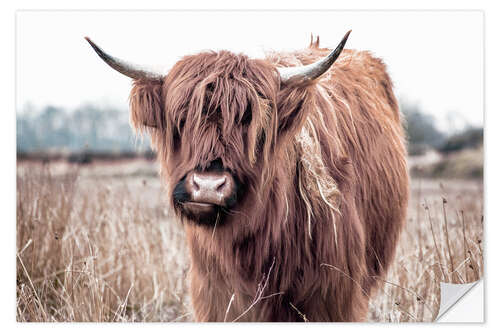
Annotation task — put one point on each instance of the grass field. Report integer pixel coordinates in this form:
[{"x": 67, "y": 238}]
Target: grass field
[{"x": 98, "y": 243}]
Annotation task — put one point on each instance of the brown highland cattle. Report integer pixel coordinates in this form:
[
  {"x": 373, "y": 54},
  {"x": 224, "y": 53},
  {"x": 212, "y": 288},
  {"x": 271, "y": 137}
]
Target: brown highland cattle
[{"x": 290, "y": 177}]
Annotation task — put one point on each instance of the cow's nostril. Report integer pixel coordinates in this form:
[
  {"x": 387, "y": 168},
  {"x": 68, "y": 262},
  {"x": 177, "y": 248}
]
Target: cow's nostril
[
  {"x": 221, "y": 186},
  {"x": 196, "y": 185}
]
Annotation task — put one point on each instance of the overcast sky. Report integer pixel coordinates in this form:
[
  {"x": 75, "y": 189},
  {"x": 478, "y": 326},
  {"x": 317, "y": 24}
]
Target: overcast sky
[{"x": 434, "y": 58}]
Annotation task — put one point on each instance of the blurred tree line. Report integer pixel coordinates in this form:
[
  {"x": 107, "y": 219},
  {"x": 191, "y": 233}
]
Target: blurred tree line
[
  {"x": 88, "y": 128},
  {"x": 106, "y": 129}
]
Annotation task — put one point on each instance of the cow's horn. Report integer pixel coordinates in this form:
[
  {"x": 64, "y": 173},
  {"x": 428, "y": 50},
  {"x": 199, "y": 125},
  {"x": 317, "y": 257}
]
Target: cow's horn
[
  {"x": 128, "y": 69},
  {"x": 314, "y": 70}
]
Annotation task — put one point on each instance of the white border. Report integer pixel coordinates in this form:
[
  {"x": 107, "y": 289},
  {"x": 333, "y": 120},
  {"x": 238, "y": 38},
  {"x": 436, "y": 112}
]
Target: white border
[{"x": 8, "y": 196}]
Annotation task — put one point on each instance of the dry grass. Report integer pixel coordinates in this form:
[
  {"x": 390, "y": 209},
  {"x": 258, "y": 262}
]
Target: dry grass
[
  {"x": 96, "y": 247},
  {"x": 442, "y": 242},
  {"x": 94, "y": 250}
]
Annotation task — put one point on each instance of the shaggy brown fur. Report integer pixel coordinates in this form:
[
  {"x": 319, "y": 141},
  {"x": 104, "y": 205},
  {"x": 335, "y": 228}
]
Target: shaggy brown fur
[{"x": 323, "y": 165}]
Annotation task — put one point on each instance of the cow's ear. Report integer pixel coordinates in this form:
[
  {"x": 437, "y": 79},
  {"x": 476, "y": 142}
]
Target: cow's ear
[
  {"x": 146, "y": 105},
  {"x": 292, "y": 107}
]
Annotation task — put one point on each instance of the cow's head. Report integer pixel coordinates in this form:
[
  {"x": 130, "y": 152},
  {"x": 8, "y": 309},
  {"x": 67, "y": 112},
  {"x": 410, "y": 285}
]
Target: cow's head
[{"x": 217, "y": 121}]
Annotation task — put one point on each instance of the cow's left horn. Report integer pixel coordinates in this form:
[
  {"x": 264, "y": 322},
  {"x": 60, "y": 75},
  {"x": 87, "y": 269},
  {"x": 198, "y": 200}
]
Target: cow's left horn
[
  {"x": 128, "y": 69},
  {"x": 314, "y": 70}
]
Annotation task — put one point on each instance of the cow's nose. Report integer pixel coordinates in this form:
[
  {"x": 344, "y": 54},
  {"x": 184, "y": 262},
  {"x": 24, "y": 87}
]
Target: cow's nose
[{"x": 210, "y": 187}]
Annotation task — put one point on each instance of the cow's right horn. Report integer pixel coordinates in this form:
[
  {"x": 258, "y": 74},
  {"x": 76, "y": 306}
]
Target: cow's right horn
[
  {"x": 312, "y": 71},
  {"x": 128, "y": 69}
]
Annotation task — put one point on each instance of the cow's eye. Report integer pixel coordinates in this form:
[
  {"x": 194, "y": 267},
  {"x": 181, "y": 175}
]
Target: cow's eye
[
  {"x": 181, "y": 125},
  {"x": 247, "y": 116},
  {"x": 178, "y": 129},
  {"x": 176, "y": 139}
]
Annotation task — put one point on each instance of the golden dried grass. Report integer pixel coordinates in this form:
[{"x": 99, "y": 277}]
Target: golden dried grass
[{"x": 94, "y": 247}]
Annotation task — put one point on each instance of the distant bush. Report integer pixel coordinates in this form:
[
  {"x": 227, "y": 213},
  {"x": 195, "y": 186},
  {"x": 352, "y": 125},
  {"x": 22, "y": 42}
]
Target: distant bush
[
  {"x": 470, "y": 138},
  {"x": 464, "y": 164},
  {"x": 83, "y": 156},
  {"x": 417, "y": 149},
  {"x": 80, "y": 158},
  {"x": 421, "y": 130}
]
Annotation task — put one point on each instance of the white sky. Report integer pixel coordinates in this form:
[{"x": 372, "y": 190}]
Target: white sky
[{"x": 435, "y": 58}]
